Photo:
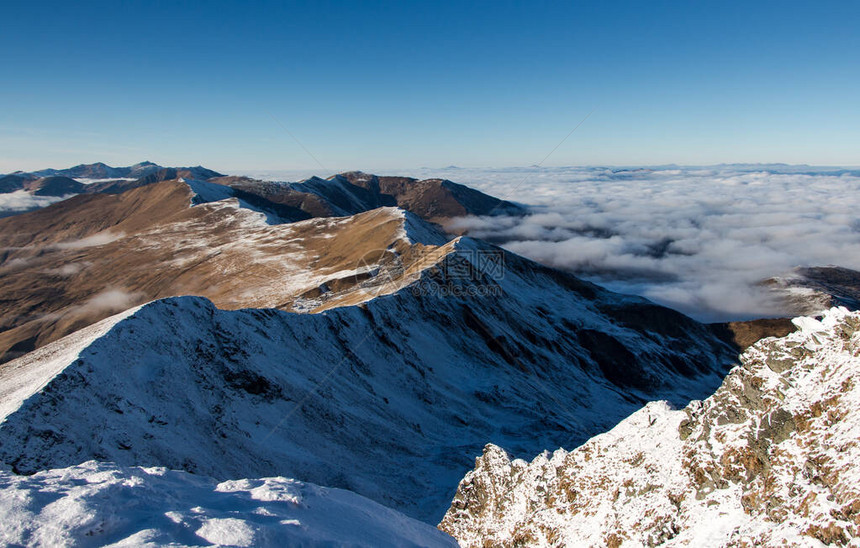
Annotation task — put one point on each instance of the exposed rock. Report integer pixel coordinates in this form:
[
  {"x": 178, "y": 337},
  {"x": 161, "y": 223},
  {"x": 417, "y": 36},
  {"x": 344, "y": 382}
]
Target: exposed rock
[{"x": 769, "y": 459}]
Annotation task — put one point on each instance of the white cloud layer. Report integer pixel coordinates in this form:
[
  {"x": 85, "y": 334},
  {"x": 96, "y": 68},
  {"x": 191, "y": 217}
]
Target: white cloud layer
[
  {"x": 695, "y": 239},
  {"x": 21, "y": 200}
]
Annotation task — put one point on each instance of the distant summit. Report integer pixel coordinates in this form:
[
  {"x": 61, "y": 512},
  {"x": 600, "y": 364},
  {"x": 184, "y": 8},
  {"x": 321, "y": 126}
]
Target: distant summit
[
  {"x": 434, "y": 200},
  {"x": 349, "y": 193},
  {"x": 51, "y": 185},
  {"x": 100, "y": 170}
]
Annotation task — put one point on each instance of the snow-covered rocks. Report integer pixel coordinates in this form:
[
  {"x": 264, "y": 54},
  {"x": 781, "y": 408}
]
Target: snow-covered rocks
[
  {"x": 771, "y": 458},
  {"x": 97, "y": 504}
]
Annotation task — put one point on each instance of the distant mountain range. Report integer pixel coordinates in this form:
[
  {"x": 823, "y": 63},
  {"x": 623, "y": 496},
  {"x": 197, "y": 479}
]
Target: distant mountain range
[
  {"x": 95, "y": 178},
  {"x": 102, "y": 171},
  {"x": 436, "y": 200}
]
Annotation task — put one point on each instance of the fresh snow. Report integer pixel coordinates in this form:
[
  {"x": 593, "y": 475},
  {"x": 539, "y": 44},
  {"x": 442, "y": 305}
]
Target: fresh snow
[
  {"x": 19, "y": 380},
  {"x": 770, "y": 459},
  {"x": 102, "y": 504}
]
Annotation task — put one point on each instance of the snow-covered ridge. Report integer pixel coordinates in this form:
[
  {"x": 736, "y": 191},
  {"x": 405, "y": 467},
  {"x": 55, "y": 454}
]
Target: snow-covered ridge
[
  {"x": 97, "y": 504},
  {"x": 770, "y": 458},
  {"x": 19, "y": 379},
  {"x": 389, "y": 399},
  {"x": 90, "y": 181}
]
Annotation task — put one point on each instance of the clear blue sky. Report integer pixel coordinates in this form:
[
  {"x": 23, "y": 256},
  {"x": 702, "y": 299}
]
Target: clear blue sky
[{"x": 375, "y": 85}]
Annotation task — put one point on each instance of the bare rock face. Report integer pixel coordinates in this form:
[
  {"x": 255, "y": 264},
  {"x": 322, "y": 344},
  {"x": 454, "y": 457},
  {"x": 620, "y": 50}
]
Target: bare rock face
[{"x": 769, "y": 459}]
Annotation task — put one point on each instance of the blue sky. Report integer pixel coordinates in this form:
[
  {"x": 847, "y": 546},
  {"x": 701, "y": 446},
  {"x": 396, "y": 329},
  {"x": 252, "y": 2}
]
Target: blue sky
[{"x": 378, "y": 86}]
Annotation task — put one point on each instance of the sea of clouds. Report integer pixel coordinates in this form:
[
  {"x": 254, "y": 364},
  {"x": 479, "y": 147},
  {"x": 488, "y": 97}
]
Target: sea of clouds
[
  {"x": 697, "y": 239},
  {"x": 20, "y": 201}
]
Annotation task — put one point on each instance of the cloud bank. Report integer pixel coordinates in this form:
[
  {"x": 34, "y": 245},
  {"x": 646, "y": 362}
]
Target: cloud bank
[
  {"x": 21, "y": 200},
  {"x": 696, "y": 239}
]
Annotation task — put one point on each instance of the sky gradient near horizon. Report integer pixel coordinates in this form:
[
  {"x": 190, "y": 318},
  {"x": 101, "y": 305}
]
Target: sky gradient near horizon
[{"x": 378, "y": 85}]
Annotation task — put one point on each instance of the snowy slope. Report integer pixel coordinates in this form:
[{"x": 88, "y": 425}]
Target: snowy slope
[
  {"x": 771, "y": 459},
  {"x": 98, "y": 504},
  {"x": 389, "y": 399},
  {"x": 19, "y": 379}
]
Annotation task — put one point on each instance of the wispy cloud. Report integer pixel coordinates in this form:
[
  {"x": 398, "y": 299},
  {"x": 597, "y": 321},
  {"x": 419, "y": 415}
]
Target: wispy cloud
[
  {"x": 110, "y": 300},
  {"x": 68, "y": 269},
  {"x": 113, "y": 300},
  {"x": 101, "y": 238}
]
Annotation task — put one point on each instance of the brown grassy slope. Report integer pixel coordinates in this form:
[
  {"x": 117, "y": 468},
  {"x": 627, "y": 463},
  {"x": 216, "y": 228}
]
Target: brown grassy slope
[{"x": 83, "y": 259}]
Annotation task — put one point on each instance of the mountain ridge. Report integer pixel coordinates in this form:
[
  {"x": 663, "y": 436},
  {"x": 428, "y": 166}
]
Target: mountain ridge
[
  {"x": 178, "y": 237},
  {"x": 387, "y": 398},
  {"x": 348, "y": 193}
]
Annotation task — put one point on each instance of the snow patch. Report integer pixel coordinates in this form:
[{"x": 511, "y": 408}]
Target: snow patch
[{"x": 97, "y": 503}]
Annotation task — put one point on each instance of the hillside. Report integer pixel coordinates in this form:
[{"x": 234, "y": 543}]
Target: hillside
[
  {"x": 769, "y": 460},
  {"x": 810, "y": 290},
  {"x": 434, "y": 200},
  {"x": 389, "y": 398},
  {"x": 83, "y": 259}
]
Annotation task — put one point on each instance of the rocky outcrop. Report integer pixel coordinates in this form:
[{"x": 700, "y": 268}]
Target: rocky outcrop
[{"x": 770, "y": 458}]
